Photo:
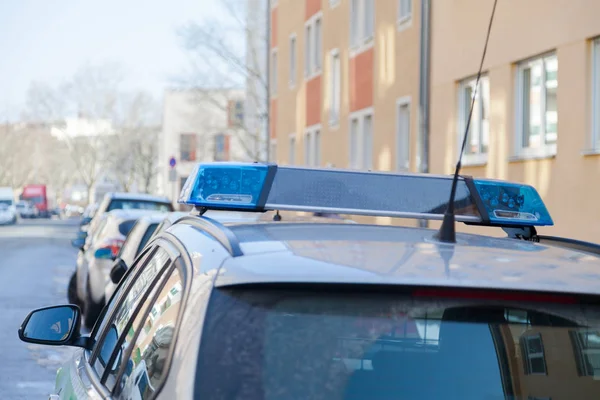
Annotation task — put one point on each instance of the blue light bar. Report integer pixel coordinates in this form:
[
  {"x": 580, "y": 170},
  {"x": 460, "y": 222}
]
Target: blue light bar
[
  {"x": 262, "y": 187},
  {"x": 512, "y": 204},
  {"x": 234, "y": 186}
]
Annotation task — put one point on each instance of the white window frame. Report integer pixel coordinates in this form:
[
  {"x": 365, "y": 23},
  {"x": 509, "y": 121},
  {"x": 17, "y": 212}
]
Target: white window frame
[
  {"x": 335, "y": 88},
  {"x": 463, "y": 113},
  {"x": 401, "y": 102},
  {"x": 594, "y": 138},
  {"x": 292, "y": 149},
  {"x": 404, "y": 20},
  {"x": 520, "y": 152},
  {"x": 364, "y": 154},
  {"x": 293, "y": 60},
  {"x": 312, "y": 145},
  {"x": 274, "y": 71},
  {"x": 313, "y": 47},
  {"x": 360, "y": 41}
]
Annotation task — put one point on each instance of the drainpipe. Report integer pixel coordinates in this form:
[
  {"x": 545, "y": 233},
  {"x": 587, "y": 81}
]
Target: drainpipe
[
  {"x": 424, "y": 90},
  {"x": 268, "y": 82}
]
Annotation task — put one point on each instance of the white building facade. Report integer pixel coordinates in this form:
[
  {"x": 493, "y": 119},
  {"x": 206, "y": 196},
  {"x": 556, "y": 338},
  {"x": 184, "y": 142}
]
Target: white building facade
[{"x": 199, "y": 125}]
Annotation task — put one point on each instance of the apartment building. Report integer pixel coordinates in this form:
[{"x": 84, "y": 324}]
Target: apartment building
[
  {"x": 345, "y": 92},
  {"x": 200, "y": 125},
  {"x": 344, "y": 82}
]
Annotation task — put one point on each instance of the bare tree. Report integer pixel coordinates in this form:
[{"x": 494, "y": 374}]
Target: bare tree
[
  {"x": 226, "y": 54},
  {"x": 134, "y": 149},
  {"x": 92, "y": 95}
]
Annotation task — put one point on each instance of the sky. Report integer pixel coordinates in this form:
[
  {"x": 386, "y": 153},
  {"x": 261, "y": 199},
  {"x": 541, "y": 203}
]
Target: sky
[{"x": 48, "y": 40}]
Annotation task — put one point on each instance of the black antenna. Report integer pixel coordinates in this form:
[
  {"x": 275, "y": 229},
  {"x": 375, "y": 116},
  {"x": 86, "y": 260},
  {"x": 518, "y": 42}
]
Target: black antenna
[{"x": 447, "y": 232}]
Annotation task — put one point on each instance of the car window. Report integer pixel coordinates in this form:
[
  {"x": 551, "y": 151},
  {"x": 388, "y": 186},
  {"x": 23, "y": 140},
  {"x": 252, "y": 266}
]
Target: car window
[
  {"x": 140, "y": 284},
  {"x": 147, "y": 235},
  {"x": 127, "y": 252},
  {"x": 126, "y": 226},
  {"x": 146, "y": 367},
  {"x": 272, "y": 344}
]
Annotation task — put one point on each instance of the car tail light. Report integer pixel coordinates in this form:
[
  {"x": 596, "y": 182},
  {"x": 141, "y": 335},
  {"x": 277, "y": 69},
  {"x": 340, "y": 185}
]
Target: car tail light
[
  {"x": 114, "y": 245},
  {"x": 479, "y": 294}
]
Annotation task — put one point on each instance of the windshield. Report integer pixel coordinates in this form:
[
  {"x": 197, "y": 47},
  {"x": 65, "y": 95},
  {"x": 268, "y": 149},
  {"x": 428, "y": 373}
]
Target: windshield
[
  {"x": 6, "y": 202},
  {"x": 34, "y": 200},
  {"x": 139, "y": 205},
  {"x": 309, "y": 345}
]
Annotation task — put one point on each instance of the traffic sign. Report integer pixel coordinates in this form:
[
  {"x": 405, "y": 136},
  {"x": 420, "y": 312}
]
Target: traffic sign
[{"x": 172, "y": 162}]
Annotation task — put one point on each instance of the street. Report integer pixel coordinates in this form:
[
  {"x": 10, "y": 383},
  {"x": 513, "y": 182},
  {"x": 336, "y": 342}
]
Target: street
[{"x": 36, "y": 260}]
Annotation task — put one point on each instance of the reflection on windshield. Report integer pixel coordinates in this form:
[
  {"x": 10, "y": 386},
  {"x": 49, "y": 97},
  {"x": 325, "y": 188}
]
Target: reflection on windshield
[{"x": 376, "y": 347}]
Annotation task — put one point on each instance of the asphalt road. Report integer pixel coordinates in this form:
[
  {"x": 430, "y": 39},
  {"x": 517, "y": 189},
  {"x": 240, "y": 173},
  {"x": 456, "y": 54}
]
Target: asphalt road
[{"x": 36, "y": 261}]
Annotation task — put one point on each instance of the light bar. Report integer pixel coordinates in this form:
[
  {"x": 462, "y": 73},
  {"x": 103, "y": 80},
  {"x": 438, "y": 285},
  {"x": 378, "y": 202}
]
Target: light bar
[
  {"x": 261, "y": 187},
  {"x": 512, "y": 204}
]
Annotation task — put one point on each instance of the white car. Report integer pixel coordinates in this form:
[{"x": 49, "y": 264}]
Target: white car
[
  {"x": 8, "y": 214},
  {"x": 26, "y": 209},
  {"x": 96, "y": 260}
]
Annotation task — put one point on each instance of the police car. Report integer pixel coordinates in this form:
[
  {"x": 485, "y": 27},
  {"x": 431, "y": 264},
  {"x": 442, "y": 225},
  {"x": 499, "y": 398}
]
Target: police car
[{"x": 323, "y": 309}]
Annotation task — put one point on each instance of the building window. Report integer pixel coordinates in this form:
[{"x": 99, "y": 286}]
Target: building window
[
  {"x": 361, "y": 139},
  {"x": 403, "y": 135},
  {"x": 187, "y": 146},
  {"x": 404, "y": 11},
  {"x": 221, "y": 149},
  {"x": 335, "y": 88},
  {"x": 274, "y": 72},
  {"x": 534, "y": 359},
  {"x": 595, "y": 139},
  {"x": 307, "y": 49},
  {"x": 586, "y": 345},
  {"x": 537, "y": 112},
  {"x": 362, "y": 18},
  {"x": 235, "y": 113},
  {"x": 292, "y": 79},
  {"x": 312, "y": 146},
  {"x": 313, "y": 46},
  {"x": 476, "y": 148},
  {"x": 292, "y": 149}
]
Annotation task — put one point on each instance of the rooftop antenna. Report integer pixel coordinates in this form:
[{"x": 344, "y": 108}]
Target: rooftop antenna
[{"x": 447, "y": 232}]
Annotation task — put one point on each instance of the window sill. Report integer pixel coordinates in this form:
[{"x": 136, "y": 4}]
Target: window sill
[
  {"x": 313, "y": 75},
  {"x": 334, "y": 3},
  {"x": 404, "y": 23},
  {"x": 334, "y": 124},
  {"x": 361, "y": 48},
  {"x": 474, "y": 160},
  {"x": 534, "y": 156},
  {"x": 590, "y": 152}
]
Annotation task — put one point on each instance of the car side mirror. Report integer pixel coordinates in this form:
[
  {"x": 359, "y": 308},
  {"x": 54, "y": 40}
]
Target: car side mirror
[
  {"x": 104, "y": 253},
  {"x": 118, "y": 270},
  {"x": 54, "y": 326},
  {"x": 78, "y": 243}
]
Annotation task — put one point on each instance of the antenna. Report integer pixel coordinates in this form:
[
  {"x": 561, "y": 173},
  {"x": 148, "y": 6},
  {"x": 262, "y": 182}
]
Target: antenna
[{"x": 447, "y": 232}]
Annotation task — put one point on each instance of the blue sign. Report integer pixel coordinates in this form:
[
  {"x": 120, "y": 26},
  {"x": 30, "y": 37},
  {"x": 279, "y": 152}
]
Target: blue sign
[{"x": 172, "y": 162}]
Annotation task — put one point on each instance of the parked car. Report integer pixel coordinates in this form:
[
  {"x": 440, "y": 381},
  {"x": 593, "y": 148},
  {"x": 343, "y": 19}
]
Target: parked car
[
  {"x": 96, "y": 260},
  {"x": 26, "y": 209}
]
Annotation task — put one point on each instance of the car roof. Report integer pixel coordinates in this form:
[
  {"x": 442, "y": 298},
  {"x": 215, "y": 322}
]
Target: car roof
[
  {"x": 153, "y": 218},
  {"x": 129, "y": 214},
  {"x": 136, "y": 196},
  {"x": 300, "y": 252}
]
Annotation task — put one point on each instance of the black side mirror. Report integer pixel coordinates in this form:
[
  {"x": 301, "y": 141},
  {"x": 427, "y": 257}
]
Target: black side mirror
[
  {"x": 118, "y": 270},
  {"x": 54, "y": 326}
]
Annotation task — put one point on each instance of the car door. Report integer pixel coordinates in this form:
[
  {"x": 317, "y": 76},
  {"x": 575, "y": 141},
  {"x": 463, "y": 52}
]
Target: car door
[{"x": 87, "y": 375}]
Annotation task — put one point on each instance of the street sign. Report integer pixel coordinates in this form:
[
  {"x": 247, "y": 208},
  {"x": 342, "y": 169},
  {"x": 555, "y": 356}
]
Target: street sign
[
  {"x": 172, "y": 162},
  {"x": 172, "y": 175}
]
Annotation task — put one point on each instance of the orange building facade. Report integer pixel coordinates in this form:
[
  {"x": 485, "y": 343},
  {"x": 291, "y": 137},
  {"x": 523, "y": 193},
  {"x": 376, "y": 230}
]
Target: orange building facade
[{"x": 345, "y": 92}]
